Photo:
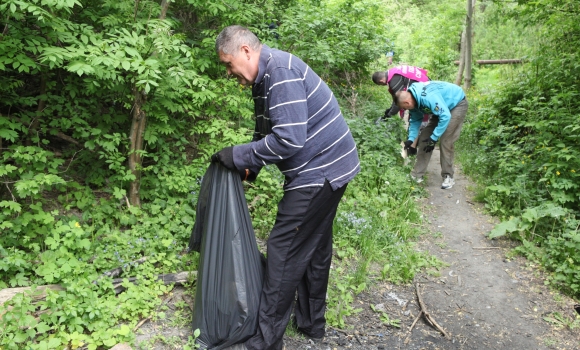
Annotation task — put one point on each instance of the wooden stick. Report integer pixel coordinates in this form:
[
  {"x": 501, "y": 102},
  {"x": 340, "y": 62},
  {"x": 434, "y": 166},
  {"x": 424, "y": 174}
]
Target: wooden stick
[
  {"x": 339, "y": 330},
  {"x": 168, "y": 278},
  {"x": 427, "y": 315},
  {"x": 141, "y": 323},
  {"x": 411, "y": 329},
  {"x": 117, "y": 271}
]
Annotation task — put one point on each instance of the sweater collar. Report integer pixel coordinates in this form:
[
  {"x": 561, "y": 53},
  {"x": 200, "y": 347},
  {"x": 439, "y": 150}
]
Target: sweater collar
[{"x": 265, "y": 55}]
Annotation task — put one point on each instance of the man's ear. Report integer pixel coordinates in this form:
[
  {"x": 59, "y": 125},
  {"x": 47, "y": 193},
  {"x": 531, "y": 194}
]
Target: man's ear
[{"x": 246, "y": 51}]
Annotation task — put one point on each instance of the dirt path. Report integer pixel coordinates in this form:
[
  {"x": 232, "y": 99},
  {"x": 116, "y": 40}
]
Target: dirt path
[{"x": 481, "y": 299}]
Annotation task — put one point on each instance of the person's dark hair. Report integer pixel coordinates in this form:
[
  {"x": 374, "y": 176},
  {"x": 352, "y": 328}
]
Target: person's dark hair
[
  {"x": 231, "y": 38},
  {"x": 396, "y": 98},
  {"x": 378, "y": 76}
]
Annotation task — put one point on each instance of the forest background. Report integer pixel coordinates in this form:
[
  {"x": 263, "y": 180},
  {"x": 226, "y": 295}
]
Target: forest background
[{"x": 110, "y": 110}]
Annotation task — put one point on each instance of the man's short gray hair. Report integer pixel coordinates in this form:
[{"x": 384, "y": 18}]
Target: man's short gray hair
[{"x": 233, "y": 37}]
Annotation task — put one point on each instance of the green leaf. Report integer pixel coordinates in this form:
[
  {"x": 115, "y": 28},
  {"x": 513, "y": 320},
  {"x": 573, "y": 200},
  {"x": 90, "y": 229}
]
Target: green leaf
[
  {"x": 131, "y": 51},
  {"x": 504, "y": 228},
  {"x": 42, "y": 327}
]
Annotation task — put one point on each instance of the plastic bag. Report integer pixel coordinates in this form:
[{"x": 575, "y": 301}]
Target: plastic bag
[{"x": 230, "y": 273}]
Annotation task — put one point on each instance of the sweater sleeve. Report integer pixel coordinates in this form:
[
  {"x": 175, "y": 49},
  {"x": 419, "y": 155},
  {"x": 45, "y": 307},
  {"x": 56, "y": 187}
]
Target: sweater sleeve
[
  {"x": 288, "y": 113},
  {"x": 415, "y": 120}
]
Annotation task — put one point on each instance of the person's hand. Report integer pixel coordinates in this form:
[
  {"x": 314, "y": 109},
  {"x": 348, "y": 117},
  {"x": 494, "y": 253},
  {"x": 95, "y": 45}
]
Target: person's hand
[
  {"x": 225, "y": 157},
  {"x": 429, "y": 145},
  {"x": 411, "y": 151},
  {"x": 408, "y": 144},
  {"x": 386, "y": 116}
]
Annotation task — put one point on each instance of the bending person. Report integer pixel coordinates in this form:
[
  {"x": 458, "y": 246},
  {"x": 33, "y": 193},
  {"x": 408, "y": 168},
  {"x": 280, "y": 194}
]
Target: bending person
[
  {"x": 447, "y": 104},
  {"x": 397, "y": 79}
]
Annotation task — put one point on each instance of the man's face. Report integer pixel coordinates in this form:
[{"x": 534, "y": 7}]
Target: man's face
[{"x": 243, "y": 66}]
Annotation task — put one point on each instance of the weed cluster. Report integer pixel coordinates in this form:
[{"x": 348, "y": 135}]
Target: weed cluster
[{"x": 520, "y": 146}]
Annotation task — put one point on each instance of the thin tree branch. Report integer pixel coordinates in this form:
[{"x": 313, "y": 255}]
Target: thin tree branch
[{"x": 8, "y": 187}]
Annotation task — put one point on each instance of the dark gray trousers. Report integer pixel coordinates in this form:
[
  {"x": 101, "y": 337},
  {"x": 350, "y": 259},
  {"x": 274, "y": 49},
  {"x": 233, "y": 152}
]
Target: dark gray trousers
[{"x": 299, "y": 256}]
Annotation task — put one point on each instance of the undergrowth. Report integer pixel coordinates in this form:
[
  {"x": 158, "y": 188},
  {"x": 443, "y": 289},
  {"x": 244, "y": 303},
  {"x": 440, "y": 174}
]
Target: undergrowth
[
  {"x": 72, "y": 235},
  {"x": 519, "y": 145}
]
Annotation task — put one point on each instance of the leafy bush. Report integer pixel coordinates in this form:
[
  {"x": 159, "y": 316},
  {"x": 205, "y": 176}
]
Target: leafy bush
[
  {"x": 521, "y": 147},
  {"x": 79, "y": 75}
]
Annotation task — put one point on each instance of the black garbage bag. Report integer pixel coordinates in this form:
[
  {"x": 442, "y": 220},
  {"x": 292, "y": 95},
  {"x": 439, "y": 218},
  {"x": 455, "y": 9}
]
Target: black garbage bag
[{"x": 230, "y": 273}]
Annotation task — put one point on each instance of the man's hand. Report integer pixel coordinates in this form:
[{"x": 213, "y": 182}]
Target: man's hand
[
  {"x": 429, "y": 145},
  {"x": 225, "y": 157},
  {"x": 386, "y": 116},
  {"x": 411, "y": 151}
]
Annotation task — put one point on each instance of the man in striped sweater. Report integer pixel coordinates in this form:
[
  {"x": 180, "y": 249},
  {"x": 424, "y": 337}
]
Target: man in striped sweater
[{"x": 300, "y": 128}]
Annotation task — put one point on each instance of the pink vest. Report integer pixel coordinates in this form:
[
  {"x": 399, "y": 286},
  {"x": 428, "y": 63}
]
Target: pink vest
[{"x": 415, "y": 73}]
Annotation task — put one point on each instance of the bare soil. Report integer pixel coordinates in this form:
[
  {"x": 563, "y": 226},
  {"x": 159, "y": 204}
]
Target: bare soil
[{"x": 481, "y": 300}]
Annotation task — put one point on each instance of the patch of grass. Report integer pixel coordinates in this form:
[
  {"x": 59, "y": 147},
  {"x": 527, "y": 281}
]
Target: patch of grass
[
  {"x": 437, "y": 234},
  {"x": 550, "y": 341}
]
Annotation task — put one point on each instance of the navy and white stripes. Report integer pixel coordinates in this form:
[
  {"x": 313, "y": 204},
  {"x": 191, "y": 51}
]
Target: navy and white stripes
[{"x": 299, "y": 126}]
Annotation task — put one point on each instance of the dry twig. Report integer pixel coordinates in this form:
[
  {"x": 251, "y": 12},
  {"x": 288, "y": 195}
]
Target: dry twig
[
  {"x": 141, "y": 323},
  {"x": 428, "y": 317},
  {"x": 339, "y": 330},
  {"x": 411, "y": 329}
]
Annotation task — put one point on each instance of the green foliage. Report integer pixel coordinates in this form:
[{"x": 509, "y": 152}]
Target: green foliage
[
  {"x": 495, "y": 20},
  {"x": 334, "y": 37},
  {"x": 427, "y": 34},
  {"x": 73, "y": 72},
  {"x": 385, "y": 318},
  {"x": 521, "y": 142}
]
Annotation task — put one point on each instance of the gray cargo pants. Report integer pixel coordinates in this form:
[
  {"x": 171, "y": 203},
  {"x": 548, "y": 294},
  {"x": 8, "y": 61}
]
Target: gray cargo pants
[{"x": 446, "y": 142}]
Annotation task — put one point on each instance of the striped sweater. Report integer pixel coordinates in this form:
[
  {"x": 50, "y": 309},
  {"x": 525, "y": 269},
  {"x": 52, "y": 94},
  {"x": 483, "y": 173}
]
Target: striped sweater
[{"x": 299, "y": 126}]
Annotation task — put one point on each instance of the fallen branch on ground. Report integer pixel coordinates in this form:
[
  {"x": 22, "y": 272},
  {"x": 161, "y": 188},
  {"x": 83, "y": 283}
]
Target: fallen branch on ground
[
  {"x": 178, "y": 278},
  {"x": 339, "y": 330},
  {"x": 117, "y": 271},
  {"x": 142, "y": 322},
  {"x": 428, "y": 317},
  {"x": 411, "y": 329}
]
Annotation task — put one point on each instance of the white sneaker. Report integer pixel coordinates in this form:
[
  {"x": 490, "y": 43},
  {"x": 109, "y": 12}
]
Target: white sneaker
[
  {"x": 447, "y": 183},
  {"x": 417, "y": 179}
]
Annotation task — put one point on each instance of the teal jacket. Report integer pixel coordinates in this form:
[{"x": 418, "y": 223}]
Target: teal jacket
[{"x": 433, "y": 97}]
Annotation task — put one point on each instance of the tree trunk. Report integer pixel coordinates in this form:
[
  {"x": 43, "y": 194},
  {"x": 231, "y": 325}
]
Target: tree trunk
[
  {"x": 33, "y": 129},
  {"x": 164, "y": 7},
  {"x": 139, "y": 120},
  {"x": 136, "y": 137},
  {"x": 468, "y": 44},
  {"x": 459, "y": 76}
]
